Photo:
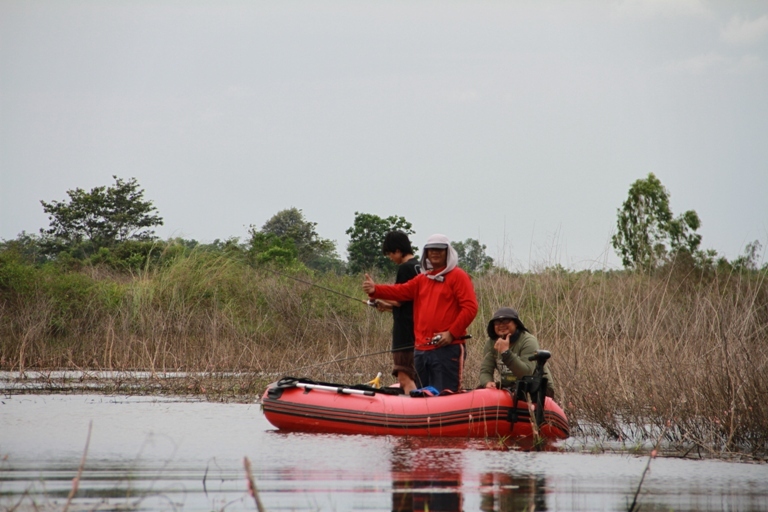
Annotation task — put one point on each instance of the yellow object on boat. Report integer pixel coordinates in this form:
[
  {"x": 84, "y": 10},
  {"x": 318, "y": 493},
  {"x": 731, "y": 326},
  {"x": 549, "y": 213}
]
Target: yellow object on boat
[{"x": 376, "y": 382}]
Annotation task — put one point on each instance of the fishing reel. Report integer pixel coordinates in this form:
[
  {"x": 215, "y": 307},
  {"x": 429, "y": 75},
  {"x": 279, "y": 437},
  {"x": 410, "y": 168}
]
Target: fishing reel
[{"x": 435, "y": 340}]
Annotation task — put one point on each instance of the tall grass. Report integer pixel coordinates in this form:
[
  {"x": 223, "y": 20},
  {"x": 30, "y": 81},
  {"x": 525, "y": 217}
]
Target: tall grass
[
  {"x": 630, "y": 352},
  {"x": 205, "y": 312}
]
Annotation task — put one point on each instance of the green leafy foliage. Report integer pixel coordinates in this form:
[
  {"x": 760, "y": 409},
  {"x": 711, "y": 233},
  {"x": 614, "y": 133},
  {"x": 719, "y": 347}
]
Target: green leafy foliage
[
  {"x": 16, "y": 274},
  {"x": 647, "y": 233},
  {"x": 26, "y": 246},
  {"x": 366, "y": 237},
  {"x": 270, "y": 248},
  {"x": 103, "y": 217},
  {"x": 134, "y": 255},
  {"x": 288, "y": 237},
  {"x": 472, "y": 256}
]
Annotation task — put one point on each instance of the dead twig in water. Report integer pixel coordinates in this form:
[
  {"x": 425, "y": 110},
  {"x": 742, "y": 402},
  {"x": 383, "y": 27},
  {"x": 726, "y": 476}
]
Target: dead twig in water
[
  {"x": 76, "y": 480},
  {"x": 651, "y": 456},
  {"x": 205, "y": 476},
  {"x": 252, "y": 485},
  {"x": 16, "y": 506}
]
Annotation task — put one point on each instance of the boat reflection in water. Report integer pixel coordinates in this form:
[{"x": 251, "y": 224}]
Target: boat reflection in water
[
  {"x": 166, "y": 453},
  {"x": 427, "y": 476}
]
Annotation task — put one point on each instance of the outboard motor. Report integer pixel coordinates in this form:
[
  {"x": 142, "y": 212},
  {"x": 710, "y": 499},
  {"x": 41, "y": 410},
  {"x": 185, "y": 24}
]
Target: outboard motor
[{"x": 534, "y": 386}]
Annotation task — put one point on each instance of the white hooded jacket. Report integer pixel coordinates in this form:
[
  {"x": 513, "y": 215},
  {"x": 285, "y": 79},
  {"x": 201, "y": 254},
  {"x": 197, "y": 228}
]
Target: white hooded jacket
[{"x": 438, "y": 241}]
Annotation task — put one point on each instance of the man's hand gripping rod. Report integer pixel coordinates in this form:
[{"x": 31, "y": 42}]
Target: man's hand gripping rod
[{"x": 436, "y": 339}]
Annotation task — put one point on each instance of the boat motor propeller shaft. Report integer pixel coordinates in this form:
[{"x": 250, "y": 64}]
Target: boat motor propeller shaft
[{"x": 533, "y": 386}]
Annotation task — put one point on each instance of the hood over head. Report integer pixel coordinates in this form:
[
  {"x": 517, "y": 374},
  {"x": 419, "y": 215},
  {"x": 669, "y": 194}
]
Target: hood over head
[
  {"x": 504, "y": 313},
  {"x": 438, "y": 241}
]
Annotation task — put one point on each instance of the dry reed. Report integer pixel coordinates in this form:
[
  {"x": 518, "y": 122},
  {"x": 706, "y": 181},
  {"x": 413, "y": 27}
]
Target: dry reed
[{"x": 630, "y": 351}]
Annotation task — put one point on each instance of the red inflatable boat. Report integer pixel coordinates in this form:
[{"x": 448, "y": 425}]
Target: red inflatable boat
[{"x": 301, "y": 405}]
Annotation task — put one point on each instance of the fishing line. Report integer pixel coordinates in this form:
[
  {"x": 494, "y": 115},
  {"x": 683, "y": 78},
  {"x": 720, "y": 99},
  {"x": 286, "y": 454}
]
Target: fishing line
[
  {"x": 366, "y": 302},
  {"x": 468, "y": 336},
  {"x": 372, "y": 303},
  {"x": 353, "y": 357}
]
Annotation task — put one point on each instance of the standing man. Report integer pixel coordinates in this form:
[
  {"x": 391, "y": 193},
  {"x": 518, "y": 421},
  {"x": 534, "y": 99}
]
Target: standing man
[
  {"x": 397, "y": 247},
  {"x": 444, "y": 304}
]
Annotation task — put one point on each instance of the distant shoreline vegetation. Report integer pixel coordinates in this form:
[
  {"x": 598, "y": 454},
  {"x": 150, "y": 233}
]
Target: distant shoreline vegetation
[{"x": 678, "y": 338}]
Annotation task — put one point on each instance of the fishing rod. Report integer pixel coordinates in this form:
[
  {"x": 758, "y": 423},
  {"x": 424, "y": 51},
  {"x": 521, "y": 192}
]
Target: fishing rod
[
  {"x": 353, "y": 357},
  {"x": 436, "y": 339},
  {"x": 432, "y": 342},
  {"x": 368, "y": 302}
]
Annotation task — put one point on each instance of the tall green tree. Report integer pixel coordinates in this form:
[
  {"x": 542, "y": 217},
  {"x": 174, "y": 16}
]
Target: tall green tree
[
  {"x": 647, "y": 234},
  {"x": 472, "y": 256},
  {"x": 101, "y": 218},
  {"x": 288, "y": 236},
  {"x": 366, "y": 237}
]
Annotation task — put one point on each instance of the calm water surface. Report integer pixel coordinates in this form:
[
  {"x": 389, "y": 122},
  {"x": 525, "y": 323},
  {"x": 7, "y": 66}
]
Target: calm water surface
[{"x": 148, "y": 453}]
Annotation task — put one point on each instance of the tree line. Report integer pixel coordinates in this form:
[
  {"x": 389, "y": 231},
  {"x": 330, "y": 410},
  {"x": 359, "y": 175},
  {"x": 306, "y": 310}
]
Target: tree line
[{"x": 114, "y": 225}]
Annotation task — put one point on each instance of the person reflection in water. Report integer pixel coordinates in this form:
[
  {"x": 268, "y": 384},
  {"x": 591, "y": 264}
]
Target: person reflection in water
[
  {"x": 419, "y": 480},
  {"x": 500, "y": 491}
]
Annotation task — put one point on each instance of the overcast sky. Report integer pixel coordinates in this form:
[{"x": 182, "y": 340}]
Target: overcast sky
[{"x": 520, "y": 124}]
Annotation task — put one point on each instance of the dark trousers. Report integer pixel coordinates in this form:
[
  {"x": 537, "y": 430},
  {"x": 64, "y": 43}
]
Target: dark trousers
[{"x": 441, "y": 368}]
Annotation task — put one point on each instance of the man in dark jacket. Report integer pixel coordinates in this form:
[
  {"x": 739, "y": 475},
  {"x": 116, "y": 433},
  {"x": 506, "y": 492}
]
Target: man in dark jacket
[{"x": 397, "y": 247}]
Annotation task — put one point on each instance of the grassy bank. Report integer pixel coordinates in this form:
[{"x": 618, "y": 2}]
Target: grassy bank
[{"x": 630, "y": 352}]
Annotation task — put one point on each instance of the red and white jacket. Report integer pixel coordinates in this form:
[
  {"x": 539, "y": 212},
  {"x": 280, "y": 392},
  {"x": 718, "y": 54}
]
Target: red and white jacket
[{"x": 445, "y": 304}]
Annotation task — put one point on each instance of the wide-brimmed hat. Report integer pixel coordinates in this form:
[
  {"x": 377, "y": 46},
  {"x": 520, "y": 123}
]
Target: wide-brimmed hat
[{"x": 508, "y": 313}]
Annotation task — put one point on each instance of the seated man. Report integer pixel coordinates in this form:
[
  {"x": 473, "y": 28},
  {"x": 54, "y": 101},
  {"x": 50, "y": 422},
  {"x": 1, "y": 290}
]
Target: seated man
[{"x": 507, "y": 350}]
